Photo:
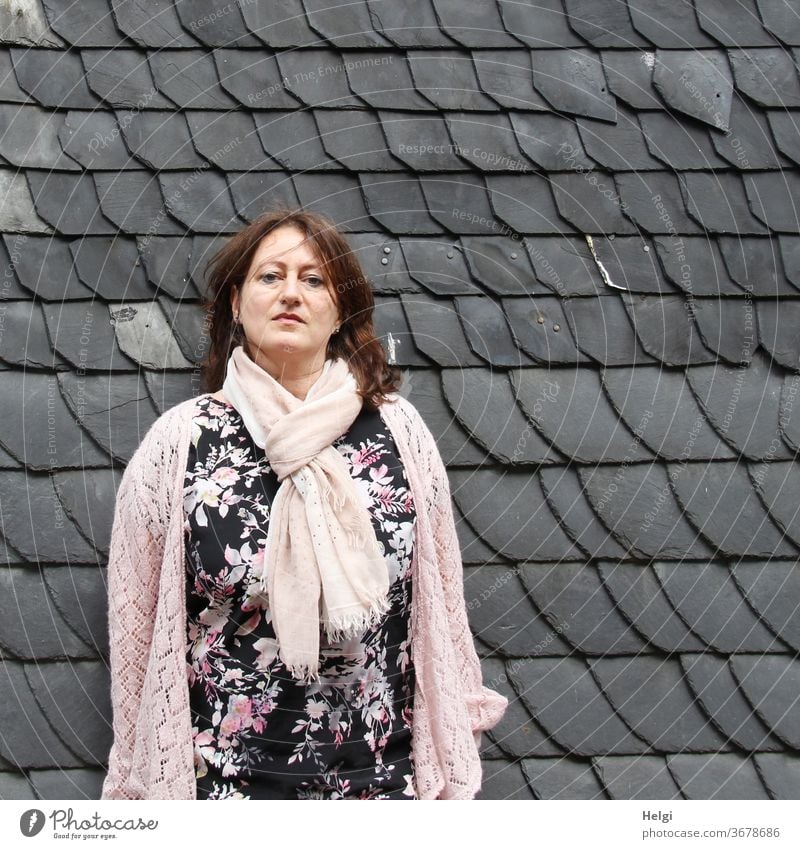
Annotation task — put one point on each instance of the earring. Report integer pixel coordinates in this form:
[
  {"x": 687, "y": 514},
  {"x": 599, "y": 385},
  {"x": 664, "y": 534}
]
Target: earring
[{"x": 236, "y": 318}]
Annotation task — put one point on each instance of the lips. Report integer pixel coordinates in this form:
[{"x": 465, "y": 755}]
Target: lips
[{"x": 288, "y": 318}]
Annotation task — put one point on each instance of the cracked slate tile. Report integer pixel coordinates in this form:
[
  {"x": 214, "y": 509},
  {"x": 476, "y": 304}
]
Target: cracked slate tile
[
  {"x": 200, "y": 201},
  {"x": 355, "y": 139},
  {"x": 189, "y": 79},
  {"x": 384, "y": 82},
  {"x": 562, "y": 779},
  {"x": 653, "y": 201},
  {"x": 772, "y": 197},
  {"x": 510, "y": 513},
  {"x": 478, "y": 25},
  {"x": 697, "y": 83},
  {"x": 778, "y": 330},
  {"x": 573, "y": 593},
  {"x": 743, "y": 29},
  {"x": 642, "y": 601},
  {"x": 122, "y": 78},
  {"x": 619, "y": 346},
  {"x": 54, "y": 193},
  {"x": 539, "y": 326},
  {"x": 651, "y": 696},
  {"x": 500, "y": 264},
  {"x": 391, "y": 328},
  {"x": 669, "y": 24},
  {"x": 573, "y": 81},
  {"x": 565, "y": 265},
  {"x": 525, "y": 203},
  {"x": 27, "y": 25},
  {"x": 790, "y": 253},
  {"x": 715, "y": 688},
  {"x": 382, "y": 262},
  {"x": 778, "y": 484},
  {"x": 292, "y": 139},
  {"x": 617, "y": 147},
  {"x": 771, "y": 588},
  {"x": 44, "y": 267},
  {"x": 718, "y": 775},
  {"x": 603, "y": 23},
  {"x": 170, "y": 388},
  {"x": 289, "y": 29},
  {"x": 562, "y": 695},
  {"x": 10, "y": 89},
  {"x": 488, "y": 333},
  {"x": 742, "y": 403},
  {"x": 254, "y": 193},
  {"x": 630, "y": 77},
  {"x": 439, "y": 265},
  {"x": 110, "y": 267},
  {"x": 89, "y": 25},
  {"x": 749, "y": 143},
  {"x": 203, "y": 20},
  {"x": 501, "y": 614},
  {"x": 348, "y": 26},
  {"x": 570, "y": 408},
  {"x": 254, "y": 80},
  {"x": 681, "y": 145},
  {"x": 160, "y": 139},
  {"x": 786, "y": 130},
  {"x": 421, "y": 142},
  {"x": 631, "y": 265},
  {"x": 155, "y": 24},
  {"x": 93, "y": 139},
  {"x": 695, "y": 264},
  {"x": 423, "y": 388},
  {"x": 666, "y": 330},
  {"x": 780, "y": 18},
  {"x": 396, "y": 27},
  {"x": 336, "y": 196},
  {"x": 28, "y": 740},
  {"x": 187, "y": 324},
  {"x": 483, "y": 402},
  {"x": 87, "y": 496},
  {"x": 324, "y": 86},
  {"x": 28, "y": 601},
  {"x": 144, "y": 335},
  {"x": 165, "y": 261},
  {"x": 24, "y": 340},
  {"x": 228, "y": 141},
  {"x": 707, "y": 599},
  {"x": 754, "y": 263},
  {"x": 590, "y": 202},
  {"x": 540, "y": 24},
  {"x": 488, "y": 144},
  {"x": 30, "y": 138},
  {"x": 641, "y": 510},
  {"x": 39, "y": 429},
  {"x": 768, "y": 76},
  {"x": 82, "y": 333},
  {"x": 54, "y": 78},
  {"x": 718, "y": 202},
  {"x": 133, "y": 201},
  {"x": 115, "y": 410},
  {"x": 551, "y": 141},
  {"x": 37, "y": 526},
  {"x": 637, "y": 777},
  {"x": 719, "y": 500},
  {"x": 771, "y": 683},
  {"x": 659, "y": 404},
  {"x": 397, "y": 202},
  {"x": 780, "y": 773},
  {"x": 569, "y": 504},
  {"x": 456, "y": 69},
  {"x": 75, "y": 699},
  {"x": 506, "y": 76}
]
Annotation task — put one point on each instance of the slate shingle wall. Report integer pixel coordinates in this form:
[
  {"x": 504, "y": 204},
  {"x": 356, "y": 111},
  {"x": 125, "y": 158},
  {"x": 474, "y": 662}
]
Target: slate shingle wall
[{"x": 579, "y": 220}]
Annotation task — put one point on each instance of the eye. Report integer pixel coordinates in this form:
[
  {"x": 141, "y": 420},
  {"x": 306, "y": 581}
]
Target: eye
[
  {"x": 267, "y": 277},
  {"x": 316, "y": 282}
]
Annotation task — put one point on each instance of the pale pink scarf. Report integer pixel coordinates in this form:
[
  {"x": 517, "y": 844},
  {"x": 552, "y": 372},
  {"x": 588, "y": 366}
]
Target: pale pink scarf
[{"x": 322, "y": 561}]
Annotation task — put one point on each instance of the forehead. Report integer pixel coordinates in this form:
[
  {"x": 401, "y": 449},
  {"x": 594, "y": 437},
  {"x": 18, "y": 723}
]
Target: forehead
[{"x": 286, "y": 246}]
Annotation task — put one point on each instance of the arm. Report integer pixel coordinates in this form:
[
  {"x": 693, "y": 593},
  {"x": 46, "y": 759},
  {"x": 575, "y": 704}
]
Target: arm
[
  {"x": 136, "y": 549},
  {"x": 486, "y": 706}
]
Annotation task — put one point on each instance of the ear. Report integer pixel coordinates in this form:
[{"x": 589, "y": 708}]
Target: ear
[{"x": 235, "y": 300}]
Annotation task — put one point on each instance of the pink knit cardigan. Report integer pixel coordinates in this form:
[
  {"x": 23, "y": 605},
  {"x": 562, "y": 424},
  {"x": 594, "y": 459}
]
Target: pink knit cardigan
[{"x": 152, "y": 756}]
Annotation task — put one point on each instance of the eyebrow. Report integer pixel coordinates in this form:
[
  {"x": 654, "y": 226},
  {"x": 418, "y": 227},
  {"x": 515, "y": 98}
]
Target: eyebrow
[{"x": 283, "y": 265}]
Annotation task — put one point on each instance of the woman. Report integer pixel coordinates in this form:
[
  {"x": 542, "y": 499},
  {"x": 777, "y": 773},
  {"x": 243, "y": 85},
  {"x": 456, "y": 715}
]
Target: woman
[{"x": 286, "y": 608}]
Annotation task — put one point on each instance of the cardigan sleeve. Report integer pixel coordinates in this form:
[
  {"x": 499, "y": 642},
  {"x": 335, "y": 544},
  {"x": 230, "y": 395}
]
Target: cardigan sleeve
[
  {"x": 135, "y": 555},
  {"x": 486, "y": 706}
]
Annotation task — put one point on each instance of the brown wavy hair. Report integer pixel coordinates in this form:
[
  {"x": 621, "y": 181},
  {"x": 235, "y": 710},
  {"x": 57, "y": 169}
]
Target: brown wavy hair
[{"x": 355, "y": 341}]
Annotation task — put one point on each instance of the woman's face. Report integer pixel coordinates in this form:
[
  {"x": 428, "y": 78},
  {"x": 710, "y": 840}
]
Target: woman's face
[{"x": 285, "y": 276}]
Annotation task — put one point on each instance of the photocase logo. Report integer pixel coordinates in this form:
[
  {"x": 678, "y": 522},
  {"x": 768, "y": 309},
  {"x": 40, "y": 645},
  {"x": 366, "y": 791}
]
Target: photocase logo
[{"x": 31, "y": 822}]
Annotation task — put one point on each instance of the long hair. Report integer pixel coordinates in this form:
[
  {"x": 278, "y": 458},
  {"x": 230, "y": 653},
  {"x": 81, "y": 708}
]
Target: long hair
[{"x": 355, "y": 341}]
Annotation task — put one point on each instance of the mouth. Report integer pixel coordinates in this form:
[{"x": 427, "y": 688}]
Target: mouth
[{"x": 286, "y": 319}]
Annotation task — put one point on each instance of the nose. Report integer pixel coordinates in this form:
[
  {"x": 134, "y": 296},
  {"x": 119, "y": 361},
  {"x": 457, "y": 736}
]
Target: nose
[{"x": 290, "y": 288}]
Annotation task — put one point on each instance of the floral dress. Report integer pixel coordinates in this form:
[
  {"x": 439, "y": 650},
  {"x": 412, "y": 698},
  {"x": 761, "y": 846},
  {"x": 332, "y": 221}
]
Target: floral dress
[{"x": 259, "y": 733}]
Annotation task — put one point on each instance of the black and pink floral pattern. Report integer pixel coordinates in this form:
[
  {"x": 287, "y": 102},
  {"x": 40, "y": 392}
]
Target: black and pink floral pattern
[{"x": 258, "y": 733}]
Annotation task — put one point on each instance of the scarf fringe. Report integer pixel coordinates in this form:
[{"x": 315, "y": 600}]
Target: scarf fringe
[{"x": 337, "y": 629}]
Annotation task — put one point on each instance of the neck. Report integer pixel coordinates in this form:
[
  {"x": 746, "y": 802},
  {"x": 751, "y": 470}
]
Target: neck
[{"x": 297, "y": 376}]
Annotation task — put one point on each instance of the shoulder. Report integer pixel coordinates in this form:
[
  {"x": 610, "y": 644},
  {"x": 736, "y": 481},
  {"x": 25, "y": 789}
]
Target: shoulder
[{"x": 404, "y": 418}]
